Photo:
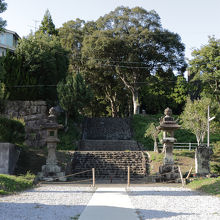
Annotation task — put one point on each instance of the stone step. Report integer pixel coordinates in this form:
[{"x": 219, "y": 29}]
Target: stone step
[
  {"x": 115, "y": 166},
  {"x": 108, "y": 145}
]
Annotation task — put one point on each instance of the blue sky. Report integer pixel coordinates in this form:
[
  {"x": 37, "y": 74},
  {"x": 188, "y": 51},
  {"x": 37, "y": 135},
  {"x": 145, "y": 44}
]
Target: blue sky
[{"x": 193, "y": 20}]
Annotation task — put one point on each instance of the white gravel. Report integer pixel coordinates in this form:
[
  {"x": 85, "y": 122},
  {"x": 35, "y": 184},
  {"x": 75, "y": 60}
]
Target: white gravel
[
  {"x": 174, "y": 203},
  {"x": 49, "y": 202}
]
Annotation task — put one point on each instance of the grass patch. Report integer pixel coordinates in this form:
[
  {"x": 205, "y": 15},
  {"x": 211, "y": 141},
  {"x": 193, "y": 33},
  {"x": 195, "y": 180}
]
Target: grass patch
[
  {"x": 184, "y": 153},
  {"x": 156, "y": 157},
  {"x": 208, "y": 185},
  {"x": 10, "y": 184}
]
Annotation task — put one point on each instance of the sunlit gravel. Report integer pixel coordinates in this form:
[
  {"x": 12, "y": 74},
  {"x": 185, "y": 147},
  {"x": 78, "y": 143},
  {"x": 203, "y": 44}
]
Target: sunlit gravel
[
  {"x": 49, "y": 202},
  {"x": 174, "y": 203}
]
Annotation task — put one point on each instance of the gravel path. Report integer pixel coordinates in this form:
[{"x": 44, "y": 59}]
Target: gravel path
[
  {"x": 49, "y": 202},
  {"x": 174, "y": 203}
]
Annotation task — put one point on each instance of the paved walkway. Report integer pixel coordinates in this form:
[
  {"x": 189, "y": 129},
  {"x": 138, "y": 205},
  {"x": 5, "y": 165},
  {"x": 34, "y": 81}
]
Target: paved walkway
[{"x": 109, "y": 204}]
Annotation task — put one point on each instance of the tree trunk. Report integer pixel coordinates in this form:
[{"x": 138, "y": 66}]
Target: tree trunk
[
  {"x": 156, "y": 146},
  {"x": 66, "y": 119},
  {"x": 114, "y": 109},
  {"x": 136, "y": 104}
]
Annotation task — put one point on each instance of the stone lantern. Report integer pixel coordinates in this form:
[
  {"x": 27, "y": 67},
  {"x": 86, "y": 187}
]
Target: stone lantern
[
  {"x": 51, "y": 171},
  {"x": 168, "y": 125}
]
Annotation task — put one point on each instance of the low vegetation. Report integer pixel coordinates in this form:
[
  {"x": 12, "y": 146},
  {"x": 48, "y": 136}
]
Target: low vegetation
[
  {"x": 12, "y": 130},
  {"x": 207, "y": 185},
  {"x": 11, "y": 184}
]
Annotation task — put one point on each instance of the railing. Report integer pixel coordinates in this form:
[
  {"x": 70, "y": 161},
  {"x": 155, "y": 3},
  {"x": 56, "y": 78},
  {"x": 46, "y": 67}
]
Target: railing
[
  {"x": 76, "y": 181},
  {"x": 181, "y": 146}
]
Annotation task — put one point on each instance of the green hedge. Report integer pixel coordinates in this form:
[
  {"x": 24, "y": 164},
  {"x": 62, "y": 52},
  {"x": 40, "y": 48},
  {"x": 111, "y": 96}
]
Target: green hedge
[{"x": 12, "y": 131}]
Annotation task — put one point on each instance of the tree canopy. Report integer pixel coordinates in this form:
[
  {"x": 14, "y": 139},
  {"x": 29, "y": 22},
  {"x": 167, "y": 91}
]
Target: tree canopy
[
  {"x": 33, "y": 71},
  {"x": 73, "y": 95},
  {"x": 47, "y": 26},
  {"x": 194, "y": 117},
  {"x": 133, "y": 44},
  {"x": 205, "y": 67},
  {"x": 3, "y": 7}
]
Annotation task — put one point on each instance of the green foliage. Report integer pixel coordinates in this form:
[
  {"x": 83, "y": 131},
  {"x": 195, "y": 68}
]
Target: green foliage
[
  {"x": 33, "y": 72},
  {"x": 68, "y": 139},
  {"x": 184, "y": 136},
  {"x": 194, "y": 118},
  {"x": 215, "y": 163},
  {"x": 205, "y": 68},
  {"x": 156, "y": 157},
  {"x": 207, "y": 185},
  {"x": 140, "y": 124},
  {"x": 12, "y": 131},
  {"x": 152, "y": 131},
  {"x": 71, "y": 35},
  {"x": 47, "y": 25},
  {"x": 10, "y": 184},
  {"x": 73, "y": 94},
  {"x": 3, "y": 7},
  {"x": 133, "y": 45}
]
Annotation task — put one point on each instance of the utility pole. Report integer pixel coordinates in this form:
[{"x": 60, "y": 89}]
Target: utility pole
[
  {"x": 35, "y": 25},
  {"x": 208, "y": 128}
]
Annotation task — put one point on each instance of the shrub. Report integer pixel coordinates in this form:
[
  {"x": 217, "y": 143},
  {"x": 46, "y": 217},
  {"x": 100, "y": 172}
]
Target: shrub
[
  {"x": 10, "y": 184},
  {"x": 11, "y": 130}
]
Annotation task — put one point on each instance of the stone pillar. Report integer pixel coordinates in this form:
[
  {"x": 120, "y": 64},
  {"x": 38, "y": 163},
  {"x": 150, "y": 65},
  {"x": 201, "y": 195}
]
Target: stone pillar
[
  {"x": 202, "y": 160},
  {"x": 8, "y": 158},
  {"x": 168, "y": 157}
]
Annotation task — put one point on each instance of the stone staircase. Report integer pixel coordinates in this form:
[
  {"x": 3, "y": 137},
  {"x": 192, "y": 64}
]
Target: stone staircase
[
  {"x": 110, "y": 164},
  {"x": 108, "y": 147}
]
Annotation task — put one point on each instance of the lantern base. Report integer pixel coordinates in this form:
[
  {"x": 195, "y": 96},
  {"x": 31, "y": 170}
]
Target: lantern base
[
  {"x": 169, "y": 172},
  {"x": 51, "y": 172}
]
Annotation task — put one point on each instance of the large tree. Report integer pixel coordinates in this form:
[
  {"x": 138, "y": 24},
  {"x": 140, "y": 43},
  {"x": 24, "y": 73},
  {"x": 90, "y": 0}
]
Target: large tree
[
  {"x": 71, "y": 36},
  {"x": 205, "y": 68},
  {"x": 33, "y": 71},
  {"x": 134, "y": 45},
  {"x": 3, "y": 7}
]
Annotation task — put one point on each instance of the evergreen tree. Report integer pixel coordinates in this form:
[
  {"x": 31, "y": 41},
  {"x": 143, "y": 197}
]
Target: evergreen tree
[
  {"x": 3, "y": 7},
  {"x": 73, "y": 95},
  {"x": 33, "y": 71},
  {"x": 47, "y": 25}
]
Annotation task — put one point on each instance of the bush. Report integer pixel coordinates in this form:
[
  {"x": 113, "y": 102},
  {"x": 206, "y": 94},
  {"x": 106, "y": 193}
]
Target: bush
[
  {"x": 10, "y": 184},
  {"x": 11, "y": 131},
  {"x": 69, "y": 138}
]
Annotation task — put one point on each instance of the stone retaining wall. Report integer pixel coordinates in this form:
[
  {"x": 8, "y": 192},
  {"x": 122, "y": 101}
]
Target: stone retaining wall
[
  {"x": 34, "y": 114},
  {"x": 107, "y": 129}
]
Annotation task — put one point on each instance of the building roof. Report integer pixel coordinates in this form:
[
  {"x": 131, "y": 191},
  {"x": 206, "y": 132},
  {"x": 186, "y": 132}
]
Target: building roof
[{"x": 10, "y": 32}]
